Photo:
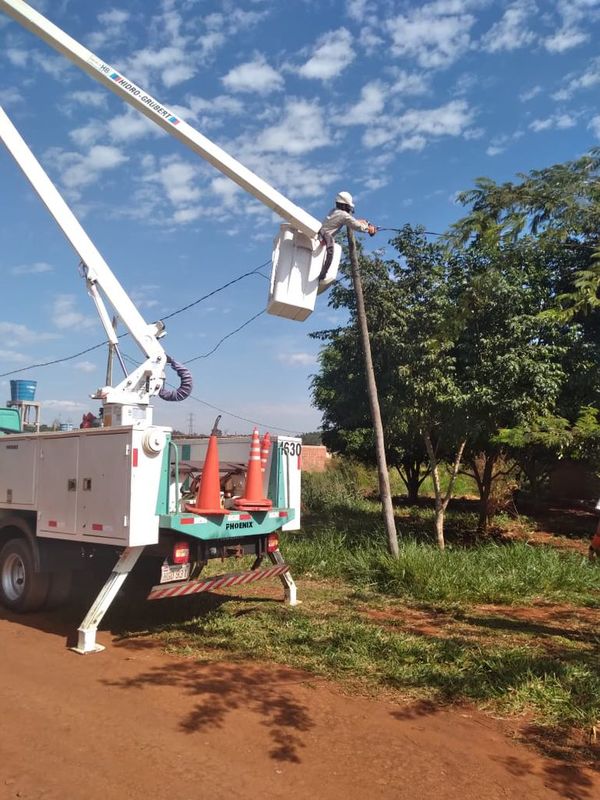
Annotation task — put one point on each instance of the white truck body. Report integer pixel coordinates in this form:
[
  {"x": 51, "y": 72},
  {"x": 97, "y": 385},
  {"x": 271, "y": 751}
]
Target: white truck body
[{"x": 98, "y": 485}]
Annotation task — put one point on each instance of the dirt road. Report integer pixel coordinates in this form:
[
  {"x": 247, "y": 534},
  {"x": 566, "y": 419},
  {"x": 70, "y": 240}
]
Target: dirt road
[{"x": 134, "y": 723}]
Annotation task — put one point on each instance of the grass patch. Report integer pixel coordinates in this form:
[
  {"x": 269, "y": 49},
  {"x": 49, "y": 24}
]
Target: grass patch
[{"x": 489, "y": 573}]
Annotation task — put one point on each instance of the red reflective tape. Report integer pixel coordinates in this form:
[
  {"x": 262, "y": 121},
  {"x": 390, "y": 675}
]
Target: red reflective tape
[
  {"x": 134, "y": 458},
  {"x": 186, "y": 521},
  {"x": 283, "y": 513},
  {"x": 245, "y": 516},
  {"x": 52, "y": 523},
  {"x": 97, "y": 527}
]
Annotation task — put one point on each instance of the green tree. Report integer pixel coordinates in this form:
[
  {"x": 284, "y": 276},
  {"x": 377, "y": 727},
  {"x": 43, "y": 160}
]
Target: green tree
[{"x": 409, "y": 313}]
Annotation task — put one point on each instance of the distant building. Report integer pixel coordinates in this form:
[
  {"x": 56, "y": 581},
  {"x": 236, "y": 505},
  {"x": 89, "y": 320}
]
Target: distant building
[{"x": 315, "y": 458}]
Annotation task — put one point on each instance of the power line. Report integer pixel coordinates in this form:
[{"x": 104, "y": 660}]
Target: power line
[
  {"x": 224, "y": 338},
  {"x": 255, "y": 271},
  {"x": 54, "y": 361}
]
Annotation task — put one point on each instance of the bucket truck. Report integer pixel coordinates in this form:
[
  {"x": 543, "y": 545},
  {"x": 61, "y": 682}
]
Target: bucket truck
[{"x": 68, "y": 497}]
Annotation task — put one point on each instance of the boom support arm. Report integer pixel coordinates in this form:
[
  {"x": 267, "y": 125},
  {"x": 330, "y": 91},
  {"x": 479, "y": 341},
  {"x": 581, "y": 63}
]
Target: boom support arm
[
  {"x": 148, "y": 378},
  {"x": 161, "y": 115}
]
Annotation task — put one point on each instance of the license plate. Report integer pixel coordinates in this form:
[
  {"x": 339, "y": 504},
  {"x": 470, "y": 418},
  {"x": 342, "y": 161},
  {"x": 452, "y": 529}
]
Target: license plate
[{"x": 170, "y": 573}]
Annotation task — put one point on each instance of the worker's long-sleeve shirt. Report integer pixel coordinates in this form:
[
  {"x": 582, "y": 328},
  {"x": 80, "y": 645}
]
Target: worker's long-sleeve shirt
[{"x": 336, "y": 219}]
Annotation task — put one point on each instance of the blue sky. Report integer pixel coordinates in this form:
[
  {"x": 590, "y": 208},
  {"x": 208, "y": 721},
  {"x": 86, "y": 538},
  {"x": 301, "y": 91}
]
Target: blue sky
[{"x": 401, "y": 103}]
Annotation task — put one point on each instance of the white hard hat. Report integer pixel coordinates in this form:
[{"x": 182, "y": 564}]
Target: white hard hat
[{"x": 345, "y": 197}]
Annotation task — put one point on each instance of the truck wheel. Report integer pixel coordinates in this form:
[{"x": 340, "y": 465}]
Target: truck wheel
[
  {"x": 21, "y": 587},
  {"x": 59, "y": 589}
]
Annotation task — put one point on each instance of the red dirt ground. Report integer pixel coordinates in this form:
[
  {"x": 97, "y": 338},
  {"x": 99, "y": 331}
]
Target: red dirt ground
[{"x": 135, "y": 723}]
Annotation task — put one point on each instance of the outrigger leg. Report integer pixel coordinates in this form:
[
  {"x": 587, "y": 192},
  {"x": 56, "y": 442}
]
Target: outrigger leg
[
  {"x": 86, "y": 642},
  {"x": 289, "y": 586}
]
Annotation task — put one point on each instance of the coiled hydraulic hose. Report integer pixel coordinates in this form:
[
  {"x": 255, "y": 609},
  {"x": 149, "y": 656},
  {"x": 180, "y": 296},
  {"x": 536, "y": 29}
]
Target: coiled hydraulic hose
[{"x": 185, "y": 383}]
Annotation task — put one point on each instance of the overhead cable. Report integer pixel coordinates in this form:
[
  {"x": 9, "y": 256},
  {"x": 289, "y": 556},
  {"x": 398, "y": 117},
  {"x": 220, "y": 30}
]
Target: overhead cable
[{"x": 255, "y": 271}]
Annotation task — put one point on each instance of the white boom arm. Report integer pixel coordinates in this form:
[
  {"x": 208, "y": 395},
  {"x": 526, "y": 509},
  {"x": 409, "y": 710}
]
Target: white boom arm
[
  {"x": 157, "y": 112},
  {"x": 147, "y": 379}
]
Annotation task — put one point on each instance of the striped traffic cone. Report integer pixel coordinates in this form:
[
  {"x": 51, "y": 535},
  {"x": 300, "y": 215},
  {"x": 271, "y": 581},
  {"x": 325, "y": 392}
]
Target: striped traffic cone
[
  {"x": 253, "y": 499},
  {"x": 208, "y": 499},
  {"x": 265, "y": 446}
]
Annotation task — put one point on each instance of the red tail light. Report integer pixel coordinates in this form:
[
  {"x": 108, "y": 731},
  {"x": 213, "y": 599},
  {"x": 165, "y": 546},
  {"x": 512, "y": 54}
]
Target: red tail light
[
  {"x": 272, "y": 542},
  {"x": 181, "y": 553}
]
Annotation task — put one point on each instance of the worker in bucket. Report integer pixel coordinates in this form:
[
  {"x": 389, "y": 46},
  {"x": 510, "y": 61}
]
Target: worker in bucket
[{"x": 337, "y": 218}]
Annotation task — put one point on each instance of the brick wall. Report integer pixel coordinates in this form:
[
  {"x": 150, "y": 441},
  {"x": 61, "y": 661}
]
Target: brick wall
[{"x": 315, "y": 458}]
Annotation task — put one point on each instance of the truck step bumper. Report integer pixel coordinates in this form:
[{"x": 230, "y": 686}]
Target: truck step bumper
[{"x": 165, "y": 590}]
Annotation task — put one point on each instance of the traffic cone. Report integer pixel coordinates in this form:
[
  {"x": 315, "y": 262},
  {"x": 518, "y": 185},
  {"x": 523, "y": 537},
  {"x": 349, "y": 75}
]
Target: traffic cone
[
  {"x": 265, "y": 446},
  {"x": 208, "y": 499},
  {"x": 253, "y": 499}
]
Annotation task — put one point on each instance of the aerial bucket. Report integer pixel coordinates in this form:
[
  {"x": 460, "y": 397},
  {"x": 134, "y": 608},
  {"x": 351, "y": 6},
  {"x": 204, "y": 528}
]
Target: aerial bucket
[{"x": 296, "y": 264}]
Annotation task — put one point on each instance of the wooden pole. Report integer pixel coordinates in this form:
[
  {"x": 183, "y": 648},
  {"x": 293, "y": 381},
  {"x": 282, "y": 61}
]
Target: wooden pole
[{"x": 382, "y": 469}]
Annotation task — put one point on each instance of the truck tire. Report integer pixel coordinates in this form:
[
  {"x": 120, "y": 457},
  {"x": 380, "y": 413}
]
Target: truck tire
[
  {"x": 59, "y": 589},
  {"x": 21, "y": 587}
]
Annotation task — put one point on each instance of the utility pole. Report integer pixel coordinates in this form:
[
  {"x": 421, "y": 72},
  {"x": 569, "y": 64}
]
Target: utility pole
[
  {"x": 382, "y": 469},
  {"x": 191, "y": 425}
]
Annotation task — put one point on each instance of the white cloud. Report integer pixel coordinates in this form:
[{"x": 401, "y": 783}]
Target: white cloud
[
  {"x": 78, "y": 170},
  {"x": 359, "y": 10},
  {"x": 253, "y": 76},
  {"x": 371, "y": 104},
  {"x": 435, "y": 35},
  {"x": 212, "y": 113},
  {"x": 10, "y": 97},
  {"x": 332, "y": 53},
  {"x": 297, "y": 359},
  {"x": 529, "y": 94},
  {"x": 559, "y": 121},
  {"x": 13, "y": 357},
  {"x": 114, "y": 17},
  {"x": 179, "y": 181},
  {"x": 576, "y": 18},
  {"x": 369, "y": 39},
  {"x": 301, "y": 130},
  {"x": 588, "y": 79},
  {"x": 85, "y": 366},
  {"x": 410, "y": 83},
  {"x": 170, "y": 63},
  {"x": 65, "y": 316},
  {"x": 511, "y": 32},
  {"x": 141, "y": 295},
  {"x": 131, "y": 125},
  {"x": 499, "y": 143},
  {"x": 412, "y": 129},
  {"x": 565, "y": 39},
  {"x": 89, "y": 98},
  {"x": 113, "y": 29},
  {"x": 17, "y": 56},
  {"x": 36, "y": 268},
  {"x": 594, "y": 126},
  {"x": 18, "y": 333}
]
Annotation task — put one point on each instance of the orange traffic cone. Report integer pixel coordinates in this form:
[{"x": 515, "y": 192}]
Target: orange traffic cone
[
  {"x": 208, "y": 499},
  {"x": 265, "y": 446},
  {"x": 253, "y": 499}
]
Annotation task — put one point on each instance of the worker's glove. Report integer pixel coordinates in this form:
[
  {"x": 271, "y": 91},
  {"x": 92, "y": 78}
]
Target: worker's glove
[{"x": 372, "y": 229}]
